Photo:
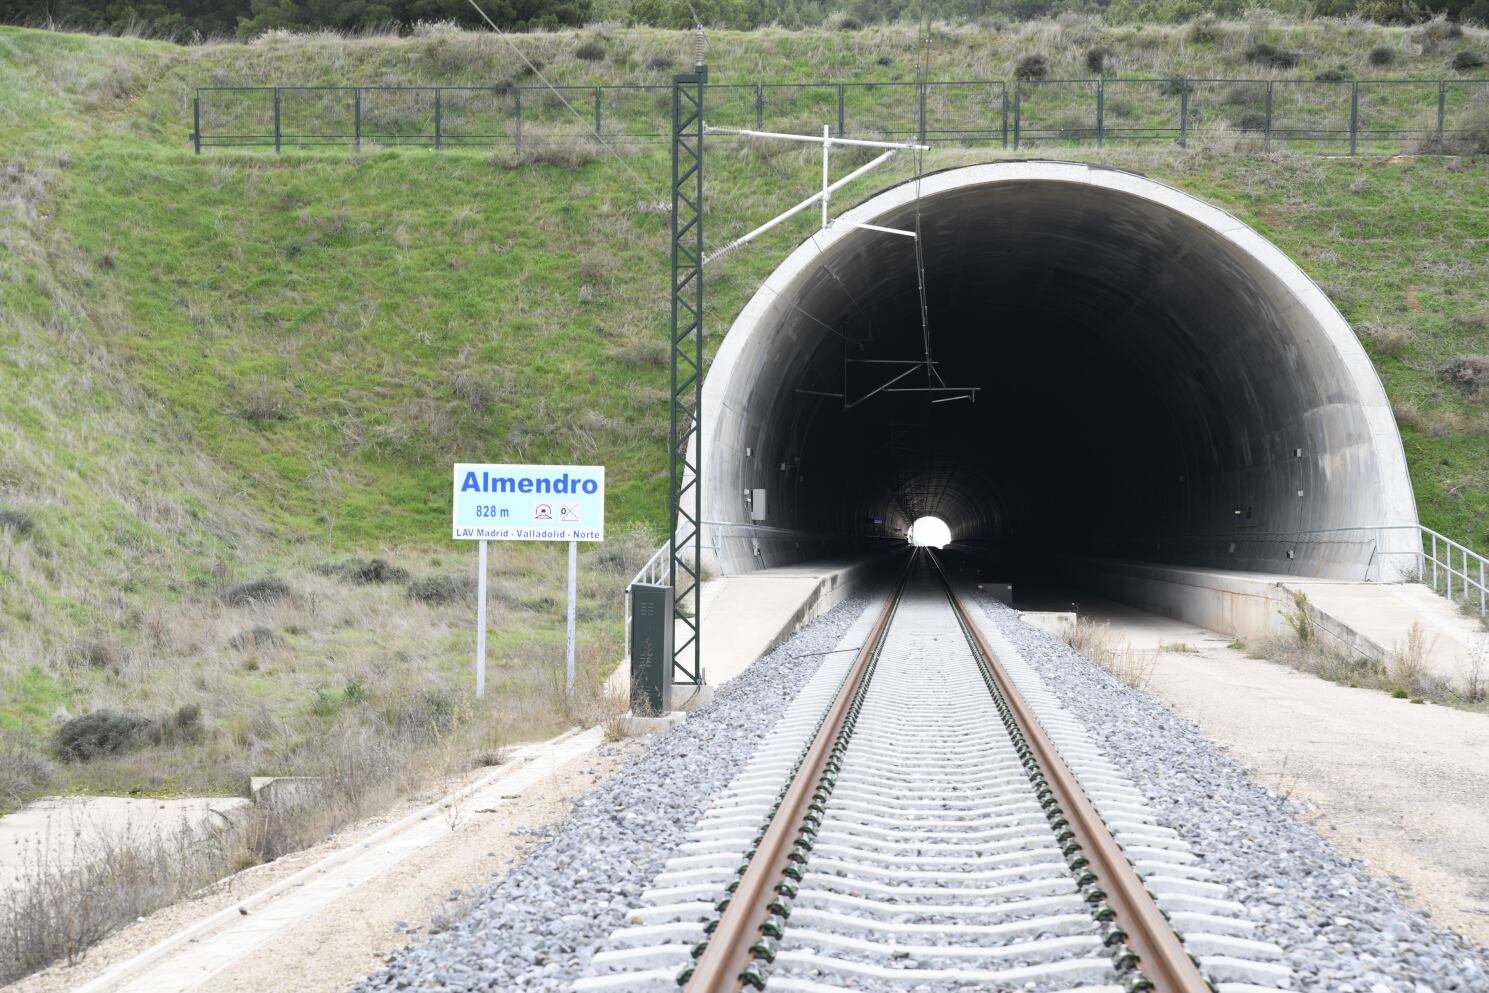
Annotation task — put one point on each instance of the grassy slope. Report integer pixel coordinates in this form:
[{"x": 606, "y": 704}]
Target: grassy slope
[{"x": 218, "y": 367}]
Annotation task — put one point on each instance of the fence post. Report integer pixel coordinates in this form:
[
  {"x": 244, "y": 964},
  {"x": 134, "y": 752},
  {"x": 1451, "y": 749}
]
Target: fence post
[
  {"x": 276, "y": 120},
  {"x": 1442, "y": 111},
  {"x": 357, "y": 116},
  {"x": 1354, "y": 117},
  {"x": 759, "y": 107},
  {"x": 599, "y": 121},
  {"x": 439, "y": 119},
  {"x": 1018, "y": 99},
  {"x": 196, "y": 122},
  {"x": 1100, "y": 112},
  {"x": 1183, "y": 113},
  {"x": 1003, "y": 98},
  {"x": 1267, "y": 127},
  {"x": 841, "y": 112},
  {"x": 517, "y": 104},
  {"x": 922, "y": 87}
]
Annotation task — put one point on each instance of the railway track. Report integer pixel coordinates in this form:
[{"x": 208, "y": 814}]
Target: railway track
[{"x": 925, "y": 817}]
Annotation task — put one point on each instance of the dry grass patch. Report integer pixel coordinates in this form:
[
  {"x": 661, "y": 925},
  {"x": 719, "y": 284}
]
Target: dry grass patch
[
  {"x": 1406, "y": 666},
  {"x": 58, "y": 909},
  {"x": 1100, "y": 644}
]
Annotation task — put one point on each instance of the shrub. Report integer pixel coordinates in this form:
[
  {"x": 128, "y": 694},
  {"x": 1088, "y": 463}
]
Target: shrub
[
  {"x": 590, "y": 50},
  {"x": 541, "y": 151},
  {"x": 1252, "y": 120},
  {"x": 99, "y": 655},
  {"x": 103, "y": 732},
  {"x": 1035, "y": 66},
  {"x": 441, "y": 590},
  {"x": 1204, "y": 30},
  {"x": 261, "y": 403},
  {"x": 843, "y": 22},
  {"x": 1467, "y": 60},
  {"x": 425, "y": 715},
  {"x": 884, "y": 60},
  {"x": 183, "y": 727},
  {"x": 1440, "y": 29},
  {"x": 257, "y": 638},
  {"x": 1176, "y": 87},
  {"x": 1473, "y": 137},
  {"x": 1096, "y": 59},
  {"x": 474, "y": 391},
  {"x": 17, "y": 522},
  {"x": 1469, "y": 373},
  {"x": 266, "y": 590},
  {"x": 1386, "y": 339},
  {"x": 660, "y": 60},
  {"x": 1338, "y": 74},
  {"x": 24, "y": 772},
  {"x": 1266, "y": 54},
  {"x": 1382, "y": 55},
  {"x": 365, "y": 572},
  {"x": 1299, "y": 620}
]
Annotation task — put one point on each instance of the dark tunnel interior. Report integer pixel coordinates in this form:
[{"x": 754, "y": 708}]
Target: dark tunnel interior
[{"x": 1109, "y": 376}]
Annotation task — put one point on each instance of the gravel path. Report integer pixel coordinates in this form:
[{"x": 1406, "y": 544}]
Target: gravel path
[
  {"x": 536, "y": 928},
  {"x": 1343, "y": 931}
]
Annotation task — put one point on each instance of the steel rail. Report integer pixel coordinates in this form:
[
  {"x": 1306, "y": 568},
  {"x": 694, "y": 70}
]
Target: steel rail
[
  {"x": 1162, "y": 958},
  {"x": 728, "y": 951}
]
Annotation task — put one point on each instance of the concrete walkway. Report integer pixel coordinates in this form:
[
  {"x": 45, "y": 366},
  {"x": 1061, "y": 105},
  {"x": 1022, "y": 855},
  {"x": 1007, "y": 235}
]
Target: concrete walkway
[
  {"x": 745, "y": 616},
  {"x": 1371, "y": 620},
  {"x": 1382, "y": 614}
]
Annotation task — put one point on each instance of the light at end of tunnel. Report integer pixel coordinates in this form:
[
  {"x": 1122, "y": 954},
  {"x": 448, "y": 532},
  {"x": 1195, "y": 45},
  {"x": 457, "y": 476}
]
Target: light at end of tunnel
[{"x": 931, "y": 532}]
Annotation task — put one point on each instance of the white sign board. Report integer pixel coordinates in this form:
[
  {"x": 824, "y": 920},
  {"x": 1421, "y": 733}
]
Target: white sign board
[{"x": 529, "y": 502}]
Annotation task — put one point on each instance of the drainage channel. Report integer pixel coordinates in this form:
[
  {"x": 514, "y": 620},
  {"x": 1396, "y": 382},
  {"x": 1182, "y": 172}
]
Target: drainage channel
[{"x": 909, "y": 825}]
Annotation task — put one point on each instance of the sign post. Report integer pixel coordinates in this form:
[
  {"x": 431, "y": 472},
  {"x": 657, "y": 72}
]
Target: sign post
[
  {"x": 573, "y": 595},
  {"x": 481, "y": 622},
  {"x": 527, "y": 503}
]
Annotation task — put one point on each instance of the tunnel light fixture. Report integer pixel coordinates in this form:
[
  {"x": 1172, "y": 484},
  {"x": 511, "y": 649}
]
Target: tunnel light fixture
[{"x": 824, "y": 195}]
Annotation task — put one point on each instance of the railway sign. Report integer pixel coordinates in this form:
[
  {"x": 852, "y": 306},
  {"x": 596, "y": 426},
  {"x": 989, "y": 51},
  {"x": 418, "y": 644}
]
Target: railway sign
[{"x": 527, "y": 503}]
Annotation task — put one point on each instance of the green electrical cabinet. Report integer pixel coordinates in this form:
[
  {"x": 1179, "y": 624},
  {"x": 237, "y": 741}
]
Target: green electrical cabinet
[{"x": 651, "y": 650}]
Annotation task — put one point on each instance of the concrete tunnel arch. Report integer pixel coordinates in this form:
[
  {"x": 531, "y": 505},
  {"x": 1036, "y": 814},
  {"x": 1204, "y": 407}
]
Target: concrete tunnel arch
[{"x": 1157, "y": 382}]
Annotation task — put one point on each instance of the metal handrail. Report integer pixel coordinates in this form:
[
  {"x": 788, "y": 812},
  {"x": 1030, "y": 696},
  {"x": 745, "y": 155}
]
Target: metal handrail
[
  {"x": 654, "y": 573},
  {"x": 1443, "y": 567}
]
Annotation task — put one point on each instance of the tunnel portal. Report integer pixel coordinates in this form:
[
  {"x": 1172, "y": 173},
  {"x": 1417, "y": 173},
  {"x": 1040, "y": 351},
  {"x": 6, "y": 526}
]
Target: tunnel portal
[{"x": 1154, "y": 381}]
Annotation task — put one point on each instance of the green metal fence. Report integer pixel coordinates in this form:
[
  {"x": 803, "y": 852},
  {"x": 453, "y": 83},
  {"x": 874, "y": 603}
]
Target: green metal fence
[{"x": 1376, "y": 116}]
